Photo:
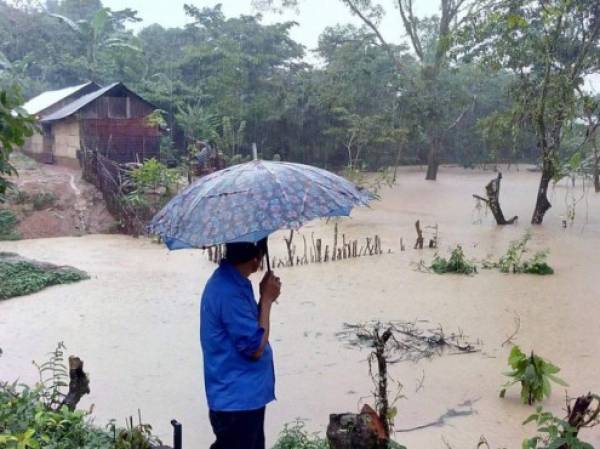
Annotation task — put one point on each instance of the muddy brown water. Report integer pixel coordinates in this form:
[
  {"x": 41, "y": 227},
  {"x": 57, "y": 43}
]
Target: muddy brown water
[{"x": 135, "y": 323}]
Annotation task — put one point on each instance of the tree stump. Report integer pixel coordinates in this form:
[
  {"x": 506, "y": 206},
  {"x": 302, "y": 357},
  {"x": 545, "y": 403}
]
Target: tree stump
[
  {"x": 420, "y": 240},
  {"x": 79, "y": 384},
  {"x": 356, "y": 431},
  {"x": 492, "y": 190}
]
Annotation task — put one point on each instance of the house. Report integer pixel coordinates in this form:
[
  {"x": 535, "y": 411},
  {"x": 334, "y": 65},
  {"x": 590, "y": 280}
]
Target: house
[{"x": 111, "y": 120}]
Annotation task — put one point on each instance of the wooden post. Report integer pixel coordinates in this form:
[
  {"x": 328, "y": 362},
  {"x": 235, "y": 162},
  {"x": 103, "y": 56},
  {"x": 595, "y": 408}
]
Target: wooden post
[
  {"x": 335, "y": 239},
  {"x": 290, "y": 249},
  {"x": 318, "y": 247}
]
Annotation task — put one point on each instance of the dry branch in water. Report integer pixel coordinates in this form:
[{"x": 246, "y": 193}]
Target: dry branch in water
[{"x": 410, "y": 342}]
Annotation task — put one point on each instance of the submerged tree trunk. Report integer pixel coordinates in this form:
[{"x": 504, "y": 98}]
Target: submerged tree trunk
[
  {"x": 432, "y": 161},
  {"x": 542, "y": 204},
  {"x": 492, "y": 190}
]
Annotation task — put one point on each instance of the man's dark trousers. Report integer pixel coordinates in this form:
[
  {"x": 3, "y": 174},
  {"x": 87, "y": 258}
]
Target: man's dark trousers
[{"x": 238, "y": 430}]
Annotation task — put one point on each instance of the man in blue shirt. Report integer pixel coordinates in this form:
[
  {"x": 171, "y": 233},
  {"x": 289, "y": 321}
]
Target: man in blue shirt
[{"x": 238, "y": 362}]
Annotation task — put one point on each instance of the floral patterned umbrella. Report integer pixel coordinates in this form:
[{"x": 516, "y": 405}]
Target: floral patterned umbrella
[{"x": 247, "y": 202}]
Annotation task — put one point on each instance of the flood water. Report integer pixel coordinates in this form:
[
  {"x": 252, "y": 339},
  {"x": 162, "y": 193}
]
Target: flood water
[{"x": 135, "y": 323}]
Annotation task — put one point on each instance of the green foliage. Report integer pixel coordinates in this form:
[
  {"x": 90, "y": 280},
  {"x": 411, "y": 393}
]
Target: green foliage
[
  {"x": 19, "y": 277},
  {"x": 54, "y": 377},
  {"x": 137, "y": 436},
  {"x": 43, "y": 200},
  {"x": 514, "y": 260},
  {"x": 553, "y": 433},
  {"x": 294, "y": 436},
  {"x": 15, "y": 127},
  {"x": 153, "y": 174},
  {"x": 8, "y": 223},
  {"x": 31, "y": 418},
  {"x": 533, "y": 373},
  {"x": 457, "y": 263}
]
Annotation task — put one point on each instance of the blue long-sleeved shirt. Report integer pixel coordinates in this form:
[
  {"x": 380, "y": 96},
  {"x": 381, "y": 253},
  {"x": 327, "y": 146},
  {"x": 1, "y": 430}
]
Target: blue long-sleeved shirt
[{"x": 229, "y": 334}]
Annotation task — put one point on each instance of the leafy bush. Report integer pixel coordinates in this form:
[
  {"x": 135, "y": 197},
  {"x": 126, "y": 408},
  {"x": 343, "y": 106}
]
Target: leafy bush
[
  {"x": 533, "y": 373},
  {"x": 8, "y": 223},
  {"x": 151, "y": 175},
  {"x": 18, "y": 196},
  {"x": 553, "y": 433},
  {"x": 20, "y": 277},
  {"x": 513, "y": 261},
  {"x": 457, "y": 263},
  {"x": 28, "y": 421},
  {"x": 294, "y": 436},
  {"x": 43, "y": 200}
]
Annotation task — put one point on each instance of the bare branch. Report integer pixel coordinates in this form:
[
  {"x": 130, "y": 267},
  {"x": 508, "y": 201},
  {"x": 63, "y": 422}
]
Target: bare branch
[
  {"x": 410, "y": 26},
  {"x": 356, "y": 10}
]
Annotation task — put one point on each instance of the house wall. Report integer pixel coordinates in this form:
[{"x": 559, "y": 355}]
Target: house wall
[
  {"x": 119, "y": 103},
  {"x": 122, "y": 140},
  {"x": 34, "y": 145},
  {"x": 66, "y": 138}
]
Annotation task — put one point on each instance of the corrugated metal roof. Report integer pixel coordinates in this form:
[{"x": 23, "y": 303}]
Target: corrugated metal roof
[
  {"x": 75, "y": 106},
  {"x": 51, "y": 97}
]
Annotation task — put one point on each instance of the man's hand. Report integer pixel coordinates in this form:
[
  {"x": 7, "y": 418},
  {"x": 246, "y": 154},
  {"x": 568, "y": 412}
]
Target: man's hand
[{"x": 270, "y": 287}]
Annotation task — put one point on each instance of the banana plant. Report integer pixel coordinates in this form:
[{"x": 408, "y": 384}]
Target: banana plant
[{"x": 98, "y": 34}]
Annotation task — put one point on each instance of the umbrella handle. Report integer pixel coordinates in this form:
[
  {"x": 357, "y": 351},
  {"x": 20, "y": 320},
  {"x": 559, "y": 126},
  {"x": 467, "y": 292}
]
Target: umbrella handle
[{"x": 268, "y": 261}]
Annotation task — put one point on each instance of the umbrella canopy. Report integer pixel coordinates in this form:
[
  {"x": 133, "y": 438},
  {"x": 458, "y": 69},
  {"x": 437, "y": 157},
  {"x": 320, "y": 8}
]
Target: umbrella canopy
[{"x": 247, "y": 202}]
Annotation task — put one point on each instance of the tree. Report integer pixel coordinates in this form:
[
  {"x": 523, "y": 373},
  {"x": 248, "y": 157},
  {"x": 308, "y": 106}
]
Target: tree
[
  {"x": 549, "y": 46},
  {"x": 103, "y": 31},
  {"x": 15, "y": 127}
]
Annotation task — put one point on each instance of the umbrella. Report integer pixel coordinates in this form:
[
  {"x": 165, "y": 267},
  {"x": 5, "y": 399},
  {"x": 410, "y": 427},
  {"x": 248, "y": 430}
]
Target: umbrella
[{"x": 247, "y": 202}]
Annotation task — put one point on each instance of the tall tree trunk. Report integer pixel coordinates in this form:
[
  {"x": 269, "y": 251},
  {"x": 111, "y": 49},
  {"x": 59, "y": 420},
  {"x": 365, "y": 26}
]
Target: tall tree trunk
[
  {"x": 542, "y": 204},
  {"x": 596, "y": 172},
  {"x": 432, "y": 160}
]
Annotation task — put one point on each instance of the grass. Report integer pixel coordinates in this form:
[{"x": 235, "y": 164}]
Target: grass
[
  {"x": 43, "y": 200},
  {"x": 20, "y": 277},
  {"x": 8, "y": 223}
]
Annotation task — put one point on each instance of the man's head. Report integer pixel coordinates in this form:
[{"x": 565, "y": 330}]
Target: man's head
[{"x": 246, "y": 256}]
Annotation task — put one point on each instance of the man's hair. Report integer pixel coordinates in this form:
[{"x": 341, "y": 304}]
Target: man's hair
[{"x": 242, "y": 252}]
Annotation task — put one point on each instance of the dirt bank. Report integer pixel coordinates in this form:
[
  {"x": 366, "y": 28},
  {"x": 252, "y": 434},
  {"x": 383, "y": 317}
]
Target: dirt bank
[
  {"x": 55, "y": 202},
  {"x": 136, "y": 321}
]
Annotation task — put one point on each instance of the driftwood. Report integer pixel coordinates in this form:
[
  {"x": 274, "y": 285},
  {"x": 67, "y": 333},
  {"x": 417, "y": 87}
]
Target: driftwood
[
  {"x": 492, "y": 190},
  {"x": 79, "y": 384},
  {"x": 584, "y": 413}
]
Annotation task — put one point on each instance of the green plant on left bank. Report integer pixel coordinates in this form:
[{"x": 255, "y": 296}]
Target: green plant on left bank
[
  {"x": 28, "y": 420},
  {"x": 15, "y": 126},
  {"x": 8, "y": 224}
]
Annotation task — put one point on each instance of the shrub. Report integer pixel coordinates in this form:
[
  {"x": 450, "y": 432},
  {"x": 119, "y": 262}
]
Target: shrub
[
  {"x": 18, "y": 196},
  {"x": 553, "y": 433},
  {"x": 294, "y": 436},
  {"x": 533, "y": 373},
  {"x": 457, "y": 263},
  {"x": 151, "y": 175},
  {"x": 27, "y": 420},
  {"x": 8, "y": 223},
  {"x": 43, "y": 200},
  {"x": 513, "y": 261},
  {"x": 20, "y": 277}
]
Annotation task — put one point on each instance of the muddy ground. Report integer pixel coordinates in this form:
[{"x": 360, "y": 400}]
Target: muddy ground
[{"x": 56, "y": 202}]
